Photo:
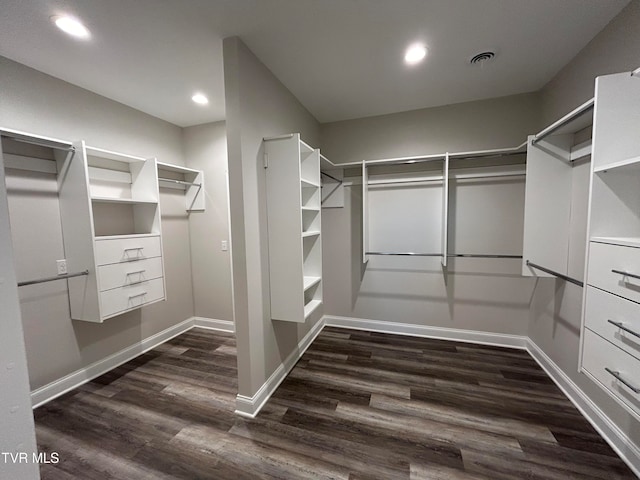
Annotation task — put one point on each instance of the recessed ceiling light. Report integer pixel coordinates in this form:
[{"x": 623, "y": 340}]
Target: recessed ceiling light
[
  {"x": 71, "y": 26},
  {"x": 415, "y": 54},
  {"x": 200, "y": 99}
]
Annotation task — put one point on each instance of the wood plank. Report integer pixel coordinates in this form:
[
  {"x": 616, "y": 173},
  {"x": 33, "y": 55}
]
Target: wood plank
[{"x": 358, "y": 406}]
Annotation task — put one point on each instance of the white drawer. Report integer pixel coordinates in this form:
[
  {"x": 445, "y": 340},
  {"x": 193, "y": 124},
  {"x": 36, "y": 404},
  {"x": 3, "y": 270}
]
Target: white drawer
[
  {"x": 126, "y": 249},
  {"x": 129, "y": 273},
  {"x": 603, "y": 310},
  {"x": 603, "y": 258},
  {"x": 119, "y": 300},
  {"x": 599, "y": 355}
]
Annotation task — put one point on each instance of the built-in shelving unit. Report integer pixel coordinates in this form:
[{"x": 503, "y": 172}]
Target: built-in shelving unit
[
  {"x": 110, "y": 212},
  {"x": 556, "y": 156},
  {"x": 294, "y": 220},
  {"x": 190, "y": 181},
  {"x": 610, "y": 347}
]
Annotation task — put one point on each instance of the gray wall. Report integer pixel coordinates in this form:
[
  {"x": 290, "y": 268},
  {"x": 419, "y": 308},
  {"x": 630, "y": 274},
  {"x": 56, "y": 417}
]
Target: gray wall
[
  {"x": 486, "y": 217},
  {"x": 556, "y": 308},
  {"x": 258, "y": 105},
  {"x": 205, "y": 148},
  {"x": 485, "y": 124},
  {"x": 37, "y": 103},
  {"x": 615, "y": 49}
]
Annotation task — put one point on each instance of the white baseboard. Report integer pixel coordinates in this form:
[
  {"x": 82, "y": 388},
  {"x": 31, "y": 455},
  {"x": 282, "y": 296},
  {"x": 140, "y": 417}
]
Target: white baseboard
[
  {"x": 616, "y": 438},
  {"x": 214, "y": 324},
  {"x": 251, "y": 406},
  {"x": 48, "y": 392},
  {"x": 470, "y": 336}
]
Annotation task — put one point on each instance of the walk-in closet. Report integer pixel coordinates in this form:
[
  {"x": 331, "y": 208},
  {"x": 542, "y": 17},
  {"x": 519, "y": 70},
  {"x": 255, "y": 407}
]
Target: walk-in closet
[{"x": 319, "y": 240}]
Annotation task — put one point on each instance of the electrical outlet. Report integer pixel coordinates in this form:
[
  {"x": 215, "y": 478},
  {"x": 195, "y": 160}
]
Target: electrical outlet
[
  {"x": 62, "y": 266},
  {"x": 225, "y": 245}
]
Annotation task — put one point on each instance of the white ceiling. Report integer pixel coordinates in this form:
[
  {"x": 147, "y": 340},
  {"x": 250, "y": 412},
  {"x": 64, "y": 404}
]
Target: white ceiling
[{"x": 342, "y": 58}]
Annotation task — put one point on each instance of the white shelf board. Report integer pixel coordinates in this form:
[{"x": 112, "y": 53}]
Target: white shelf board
[
  {"x": 122, "y": 200},
  {"x": 310, "y": 282},
  {"x": 175, "y": 168},
  {"x": 310, "y": 307},
  {"x": 629, "y": 165},
  {"x": 310, "y": 209},
  {"x": 308, "y": 184},
  {"x": 623, "y": 241},
  {"x": 119, "y": 157},
  {"x": 310, "y": 234},
  {"x": 131, "y": 235}
]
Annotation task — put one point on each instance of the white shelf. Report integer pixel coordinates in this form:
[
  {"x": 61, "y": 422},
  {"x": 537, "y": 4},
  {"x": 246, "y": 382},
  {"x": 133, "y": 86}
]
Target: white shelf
[
  {"x": 310, "y": 307},
  {"x": 110, "y": 155},
  {"x": 309, "y": 282},
  {"x": 132, "y": 235},
  {"x": 293, "y": 213},
  {"x": 623, "y": 241},
  {"x": 121, "y": 200},
  {"x": 176, "y": 168},
  {"x": 308, "y": 184},
  {"x": 629, "y": 164}
]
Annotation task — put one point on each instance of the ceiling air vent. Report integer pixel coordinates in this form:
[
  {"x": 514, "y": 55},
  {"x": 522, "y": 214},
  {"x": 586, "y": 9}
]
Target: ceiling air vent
[{"x": 481, "y": 58}]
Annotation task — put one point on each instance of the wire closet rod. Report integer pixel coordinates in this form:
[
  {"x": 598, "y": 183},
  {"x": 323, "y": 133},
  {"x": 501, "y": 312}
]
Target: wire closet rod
[
  {"x": 482, "y": 255},
  {"x": 458, "y": 255},
  {"x": 51, "y": 279},
  {"x": 555, "y": 274},
  {"x": 406, "y": 254},
  {"x": 180, "y": 182}
]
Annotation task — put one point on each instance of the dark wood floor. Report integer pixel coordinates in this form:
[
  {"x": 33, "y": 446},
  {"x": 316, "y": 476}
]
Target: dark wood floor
[{"x": 357, "y": 406}]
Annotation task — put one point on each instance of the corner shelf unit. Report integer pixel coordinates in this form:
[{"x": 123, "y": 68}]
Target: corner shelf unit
[
  {"x": 186, "y": 179},
  {"x": 294, "y": 219},
  {"x": 110, "y": 212}
]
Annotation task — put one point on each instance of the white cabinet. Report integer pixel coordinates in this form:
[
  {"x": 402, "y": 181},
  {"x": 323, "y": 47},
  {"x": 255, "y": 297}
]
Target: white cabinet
[
  {"x": 294, "y": 225},
  {"x": 610, "y": 330},
  {"x": 109, "y": 207}
]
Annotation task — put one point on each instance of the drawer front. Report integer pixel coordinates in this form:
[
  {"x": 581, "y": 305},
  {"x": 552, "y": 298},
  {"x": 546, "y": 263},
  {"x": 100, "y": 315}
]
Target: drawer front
[
  {"x": 129, "y": 273},
  {"x": 118, "y": 250},
  {"x": 604, "y": 258},
  {"x": 119, "y": 300},
  {"x": 598, "y": 354},
  {"x": 604, "y": 310}
]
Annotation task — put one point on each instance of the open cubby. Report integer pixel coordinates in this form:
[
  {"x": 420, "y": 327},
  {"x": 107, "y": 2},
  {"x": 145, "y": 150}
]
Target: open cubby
[{"x": 615, "y": 207}]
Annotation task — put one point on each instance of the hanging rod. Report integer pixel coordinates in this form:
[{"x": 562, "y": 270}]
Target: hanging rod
[
  {"x": 331, "y": 177},
  {"x": 51, "y": 279},
  {"x": 555, "y": 274},
  {"x": 582, "y": 109},
  {"x": 459, "y": 255},
  {"x": 481, "y": 255},
  {"x": 181, "y": 182},
  {"x": 488, "y": 155},
  {"x": 406, "y": 254}
]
